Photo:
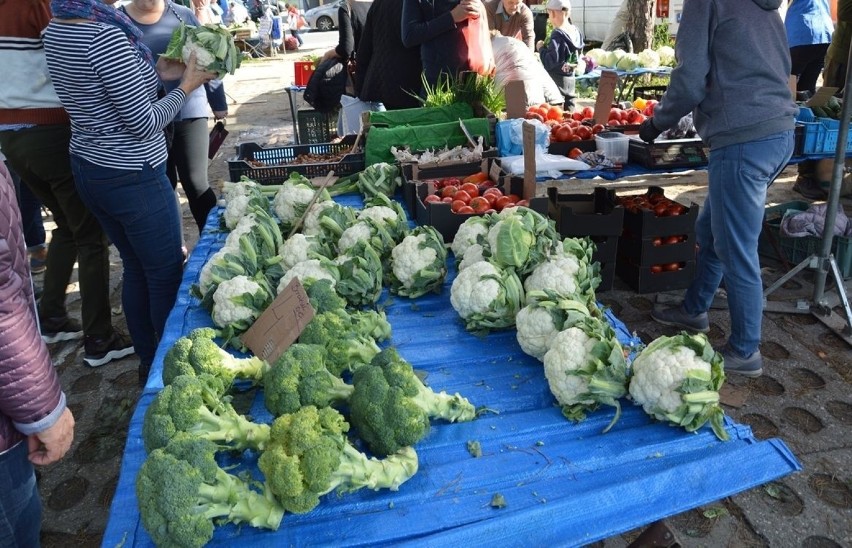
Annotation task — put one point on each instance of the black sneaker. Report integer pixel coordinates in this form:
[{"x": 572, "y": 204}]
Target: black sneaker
[
  {"x": 60, "y": 329},
  {"x": 750, "y": 366},
  {"x": 102, "y": 351},
  {"x": 809, "y": 188}
]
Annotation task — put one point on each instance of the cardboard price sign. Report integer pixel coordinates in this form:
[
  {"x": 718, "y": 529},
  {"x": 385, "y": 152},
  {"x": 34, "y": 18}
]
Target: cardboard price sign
[
  {"x": 606, "y": 95},
  {"x": 280, "y": 324}
]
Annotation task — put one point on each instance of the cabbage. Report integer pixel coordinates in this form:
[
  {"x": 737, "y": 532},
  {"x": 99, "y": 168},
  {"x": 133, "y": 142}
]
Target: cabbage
[
  {"x": 649, "y": 59},
  {"x": 597, "y": 55},
  {"x": 667, "y": 56},
  {"x": 628, "y": 62}
]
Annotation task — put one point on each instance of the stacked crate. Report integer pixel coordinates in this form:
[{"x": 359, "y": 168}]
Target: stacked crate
[
  {"x": 593, "y": 215},
  {"x": 656, "y": 251}
]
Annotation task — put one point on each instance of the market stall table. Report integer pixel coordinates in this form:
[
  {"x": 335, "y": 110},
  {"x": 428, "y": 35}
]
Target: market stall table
[{"x": 563, "y": 483}]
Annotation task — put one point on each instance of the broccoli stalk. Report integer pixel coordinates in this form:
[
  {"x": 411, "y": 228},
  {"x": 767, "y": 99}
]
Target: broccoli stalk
[
  {"x": 181, "y": 490},
  {"x": 299, "y": 377},
  {"x": 309, "y": 456},
  {"x": 390, "y": 407},
  {"x": 196, "y": 405},
  {"x": 198, "y": 353}
]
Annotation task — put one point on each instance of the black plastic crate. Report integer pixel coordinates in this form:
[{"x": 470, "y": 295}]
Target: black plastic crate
[
  {"x": 270, "y": 166},
  {"x": 644, "y": 224},
  {"x": 607, "y": 277},
  {"x": 649, "y": 92},
  {"x": 606, "y": 249},
  {"x": 644, "y": 279},
  {"x": 316, "y": 127},
  {"x": 646, "y": 253},
  {"x": 593, "y": 214},
  {"x": 669, "y": 153},
  {"x": 562, "y": 148}
]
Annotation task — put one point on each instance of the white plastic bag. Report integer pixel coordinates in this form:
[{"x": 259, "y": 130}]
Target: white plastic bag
[
  {"x": 546, "y": 165},
  {"x": 515, "y": 61}
]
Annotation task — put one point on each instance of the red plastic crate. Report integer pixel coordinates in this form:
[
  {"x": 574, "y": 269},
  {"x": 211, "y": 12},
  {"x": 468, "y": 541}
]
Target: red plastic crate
[{"x": 303, "y": 71}]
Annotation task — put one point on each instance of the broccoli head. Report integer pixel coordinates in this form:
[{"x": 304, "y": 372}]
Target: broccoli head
[
  {"x": 390, "y": 407},
  {"x": 197, "y": 405},
  {"x": 323, "y": 297},
  {"x": 198, "y": 353},
  {"x": 347, "y": 349},
  {"x": 309, "y": 456},
  {"x": 299, "y": 377},
  {"x": 181, "y": 490}
]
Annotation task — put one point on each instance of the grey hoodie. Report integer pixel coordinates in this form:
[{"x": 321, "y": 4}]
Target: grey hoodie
[{"x": 732, "y": 72}]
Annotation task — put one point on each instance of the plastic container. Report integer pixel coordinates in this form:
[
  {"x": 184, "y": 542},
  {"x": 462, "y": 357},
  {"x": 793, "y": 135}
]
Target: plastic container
[
  {"x": 302, "y": 72},
  {"x": 613, "y": 145},
  {"x": 316, "y": 127},
  {"x": 271, "y": 166}
]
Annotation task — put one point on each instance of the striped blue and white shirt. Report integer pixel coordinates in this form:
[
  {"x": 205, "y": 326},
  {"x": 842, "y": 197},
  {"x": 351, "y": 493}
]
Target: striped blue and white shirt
[{"x": 110, "y": 93}]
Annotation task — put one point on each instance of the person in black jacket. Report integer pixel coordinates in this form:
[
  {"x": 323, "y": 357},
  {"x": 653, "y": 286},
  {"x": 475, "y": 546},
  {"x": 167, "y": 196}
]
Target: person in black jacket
[{"x": 380, "y": 53}]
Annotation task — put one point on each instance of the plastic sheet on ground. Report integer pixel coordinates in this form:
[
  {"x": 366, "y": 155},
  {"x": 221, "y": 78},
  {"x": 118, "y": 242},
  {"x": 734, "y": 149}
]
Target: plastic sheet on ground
[{"x": 564, "y": 484}]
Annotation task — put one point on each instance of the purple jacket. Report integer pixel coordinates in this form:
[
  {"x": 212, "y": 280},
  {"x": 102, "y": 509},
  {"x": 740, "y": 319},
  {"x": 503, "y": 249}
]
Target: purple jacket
[{"x": 31, "y": 399}]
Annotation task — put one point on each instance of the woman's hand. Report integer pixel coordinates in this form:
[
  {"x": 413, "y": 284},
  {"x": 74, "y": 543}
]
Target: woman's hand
[
  {"x": 539, "y": 45},
  {"x": 50, "y": 445},
  {"x": 194, "y": 76},
  {"x": 169, "y": 69},
  {"x": 467, "y": 9},
  {"x": 220, "y": 114}
]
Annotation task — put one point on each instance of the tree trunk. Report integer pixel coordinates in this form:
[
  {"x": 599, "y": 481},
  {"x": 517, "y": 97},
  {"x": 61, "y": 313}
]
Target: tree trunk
[{"x": 640, "y": 23}]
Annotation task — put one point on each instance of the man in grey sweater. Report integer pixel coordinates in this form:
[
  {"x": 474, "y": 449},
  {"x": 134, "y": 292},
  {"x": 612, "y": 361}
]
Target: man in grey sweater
[{"x": 732, "y": 73}]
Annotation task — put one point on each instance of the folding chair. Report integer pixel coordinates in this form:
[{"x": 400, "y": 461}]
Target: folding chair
[{"x": 264, "y": 31}]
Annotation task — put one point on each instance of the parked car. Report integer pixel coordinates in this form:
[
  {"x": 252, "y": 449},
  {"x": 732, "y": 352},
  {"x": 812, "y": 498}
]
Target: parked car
[{"x": 323, "y": 17}]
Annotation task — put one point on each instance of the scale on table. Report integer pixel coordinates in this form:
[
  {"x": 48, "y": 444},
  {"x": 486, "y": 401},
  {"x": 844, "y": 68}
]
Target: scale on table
[{"x": 668, "y": 153}]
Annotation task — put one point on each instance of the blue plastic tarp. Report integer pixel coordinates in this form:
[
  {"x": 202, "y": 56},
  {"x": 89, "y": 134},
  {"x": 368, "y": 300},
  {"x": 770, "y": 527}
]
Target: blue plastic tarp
[{"x": 564, "y": 484}]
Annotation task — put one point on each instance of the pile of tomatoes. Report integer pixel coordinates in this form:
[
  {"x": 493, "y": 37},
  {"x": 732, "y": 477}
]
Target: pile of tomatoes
[
  {"x": 470, "y": 198},
  {"x": 666, "y": 267},
  {"x": 580, "y": 125},
  {"x": 657, "y": 203}
]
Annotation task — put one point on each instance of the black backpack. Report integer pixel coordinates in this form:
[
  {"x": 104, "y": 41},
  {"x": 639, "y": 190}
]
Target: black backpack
[{"x": 327, "y": 84}]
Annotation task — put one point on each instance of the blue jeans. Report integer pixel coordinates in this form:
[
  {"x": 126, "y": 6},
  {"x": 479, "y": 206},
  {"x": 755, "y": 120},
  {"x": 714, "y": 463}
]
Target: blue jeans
[
  {"x": 139, "y": 214},
  {"x": 727, "y": 230},
  {"x": 20, "y": 505}
]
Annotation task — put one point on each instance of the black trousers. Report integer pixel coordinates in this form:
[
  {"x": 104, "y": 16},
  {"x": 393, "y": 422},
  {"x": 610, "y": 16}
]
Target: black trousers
[
  {"x": 188, "y": 163},
  {"x": 807, "y": 62}
]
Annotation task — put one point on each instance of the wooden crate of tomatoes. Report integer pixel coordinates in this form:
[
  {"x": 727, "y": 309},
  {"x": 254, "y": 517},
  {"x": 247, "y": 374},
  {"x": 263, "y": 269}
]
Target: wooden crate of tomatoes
[
  {"x": 656, "y": 251},
  {"x": 447, "y": 202}
]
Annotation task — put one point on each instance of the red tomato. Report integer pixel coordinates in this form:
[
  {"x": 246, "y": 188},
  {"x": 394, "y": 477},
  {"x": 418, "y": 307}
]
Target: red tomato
[
  {"x": 432, "y": 198},
  {"x": 465, "y": 210},
  {"x": 564, "y": 133},
  {"x": 577, "y": 115},
  {"x": 456, "y": 205},
  {"x": 463, "y": 196},
  {"x": 615, "y": 114},
  {"x": 575, "y": 153},
  {"x": 534, "y": 116},
  {"x": 672, "y": 240},
  {"x": 502, "y": 202},
  {"x": 494, "y": 191},
  {"x": 597, "y": 128},
  {"x": 588, "y": 112},
  {"x": 447, "y": 199},
  {"x": 554, "y": 113},
  {"x": 490, "y": 198},
  {"x": 480, "y": 204},
  {"x": 660, "y": 210},
  {"x": 671, "y": 267},
  {"x": 449, "y": 191},
  {"x": 575, "y": 138},
  {"x": 657, "y": 242},
  {"x": 656, "y": 268},
  {"x": 584, "y": 132},
  {"x": 523, "y": 203},
  {"x": 675, "y": 209},
  {"x": 471, "y": 189},
  {"x": 513, "y": 198}
]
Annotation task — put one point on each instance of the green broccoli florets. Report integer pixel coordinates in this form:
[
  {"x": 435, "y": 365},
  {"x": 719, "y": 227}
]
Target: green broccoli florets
[
  {"x": 347, "y": 348},
  {"x": 198, "y": 353},
  {"x": 197, "y": 405},
  {"x": 181, "y": 490},
  {"x": 390, "y": 407},
  {"x": 371, "y": 323},
  {"x": 298, "y": 378},
  {"x": 323, "y": 296},
  {"x": 309, "y": 456}
]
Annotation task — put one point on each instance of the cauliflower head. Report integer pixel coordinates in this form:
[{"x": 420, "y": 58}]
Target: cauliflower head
[
  {"x": 358, "y": 232},
  {"x": 475, "y": 289},
  {"x": 311, "y": 224},
  {"x": 535, "y": 331},
  {"x": 472, "y": 255},
  {"x": 557, "y": 274},
  {"x": 290, "y": 201},
  {"x": 307, "y": 270},
  {"x": 228, "y": 299},
  {"x": 658, "y": 375},
  {"x": 568, "y": 353},
  {"x": 203, "y": 57},
  {"x": 236, "y": 209},
  {"x": 380, "y": 214},
  {"x": 410, "y": 257},
  {"x": 418, "y": 264},
  {"x": 468, "y": 235}
]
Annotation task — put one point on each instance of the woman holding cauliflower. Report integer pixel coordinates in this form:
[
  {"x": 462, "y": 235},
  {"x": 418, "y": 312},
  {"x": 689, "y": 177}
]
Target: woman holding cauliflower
[
  {"x": 106, "y": 79},
  {"x": 158, "y": 19}
]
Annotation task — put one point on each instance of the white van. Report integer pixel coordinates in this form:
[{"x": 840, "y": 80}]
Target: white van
[{"x": 594, "y": 17}]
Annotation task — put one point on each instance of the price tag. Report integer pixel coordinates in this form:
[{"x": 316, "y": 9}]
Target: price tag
[{"x": 280, "y": 324}]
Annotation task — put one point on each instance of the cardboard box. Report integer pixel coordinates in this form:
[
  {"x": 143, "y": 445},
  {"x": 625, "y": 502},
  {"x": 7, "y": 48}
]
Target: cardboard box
[
  {"x": 439, "y": 214},
  {"x": 593, "y": 214},
  {"x": 642, "y": 280},
  {"x": 645, "y": 253},
  {"x": 645, "y": 225},
  {"x": 606, "y": 248},
  {"x": 414, "y": 174}
]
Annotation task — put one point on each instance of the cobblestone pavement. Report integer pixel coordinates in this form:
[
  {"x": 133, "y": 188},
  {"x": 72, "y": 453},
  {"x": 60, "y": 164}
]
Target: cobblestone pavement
[{"x": 803, "y": 397}]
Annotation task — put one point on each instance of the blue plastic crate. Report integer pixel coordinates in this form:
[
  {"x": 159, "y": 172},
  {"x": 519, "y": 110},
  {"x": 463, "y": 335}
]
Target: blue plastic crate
[{"x": 820, "y": 133}]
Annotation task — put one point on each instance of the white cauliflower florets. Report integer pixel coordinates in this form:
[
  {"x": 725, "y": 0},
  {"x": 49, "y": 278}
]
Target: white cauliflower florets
[
  {"x": 294, "y": 250},
  {"x": 205, "y": 278},
  {"x": 473, "y": 255},
  {"x": 568, "y": 352},
  {"x": 236, "y": 209},
  {"x": 311, "y": 225},
  {"x": 306, "y": 270},
  {"x": 358, "y": 232},
  {"x": 380, "y": 214},
  {"x": 471, "y": 293},
  {"x": 658, "y": 375},
  {"x": 203, "y": 58},
  {"x": 225, "y": 310},
  {"x": 535, "y": 330},
  {"x": 290, "y": 197},
  {"x": 467, "y": 236},
  {"x": 408, "y": 258},
  {"x": 240, "y": 188},
  {"x": 557, "y": 273},
  {"x": 244, "y": 226}
]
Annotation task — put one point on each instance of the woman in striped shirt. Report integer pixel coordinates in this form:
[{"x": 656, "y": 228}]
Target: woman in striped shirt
[{"x": 106, "y": 80}]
